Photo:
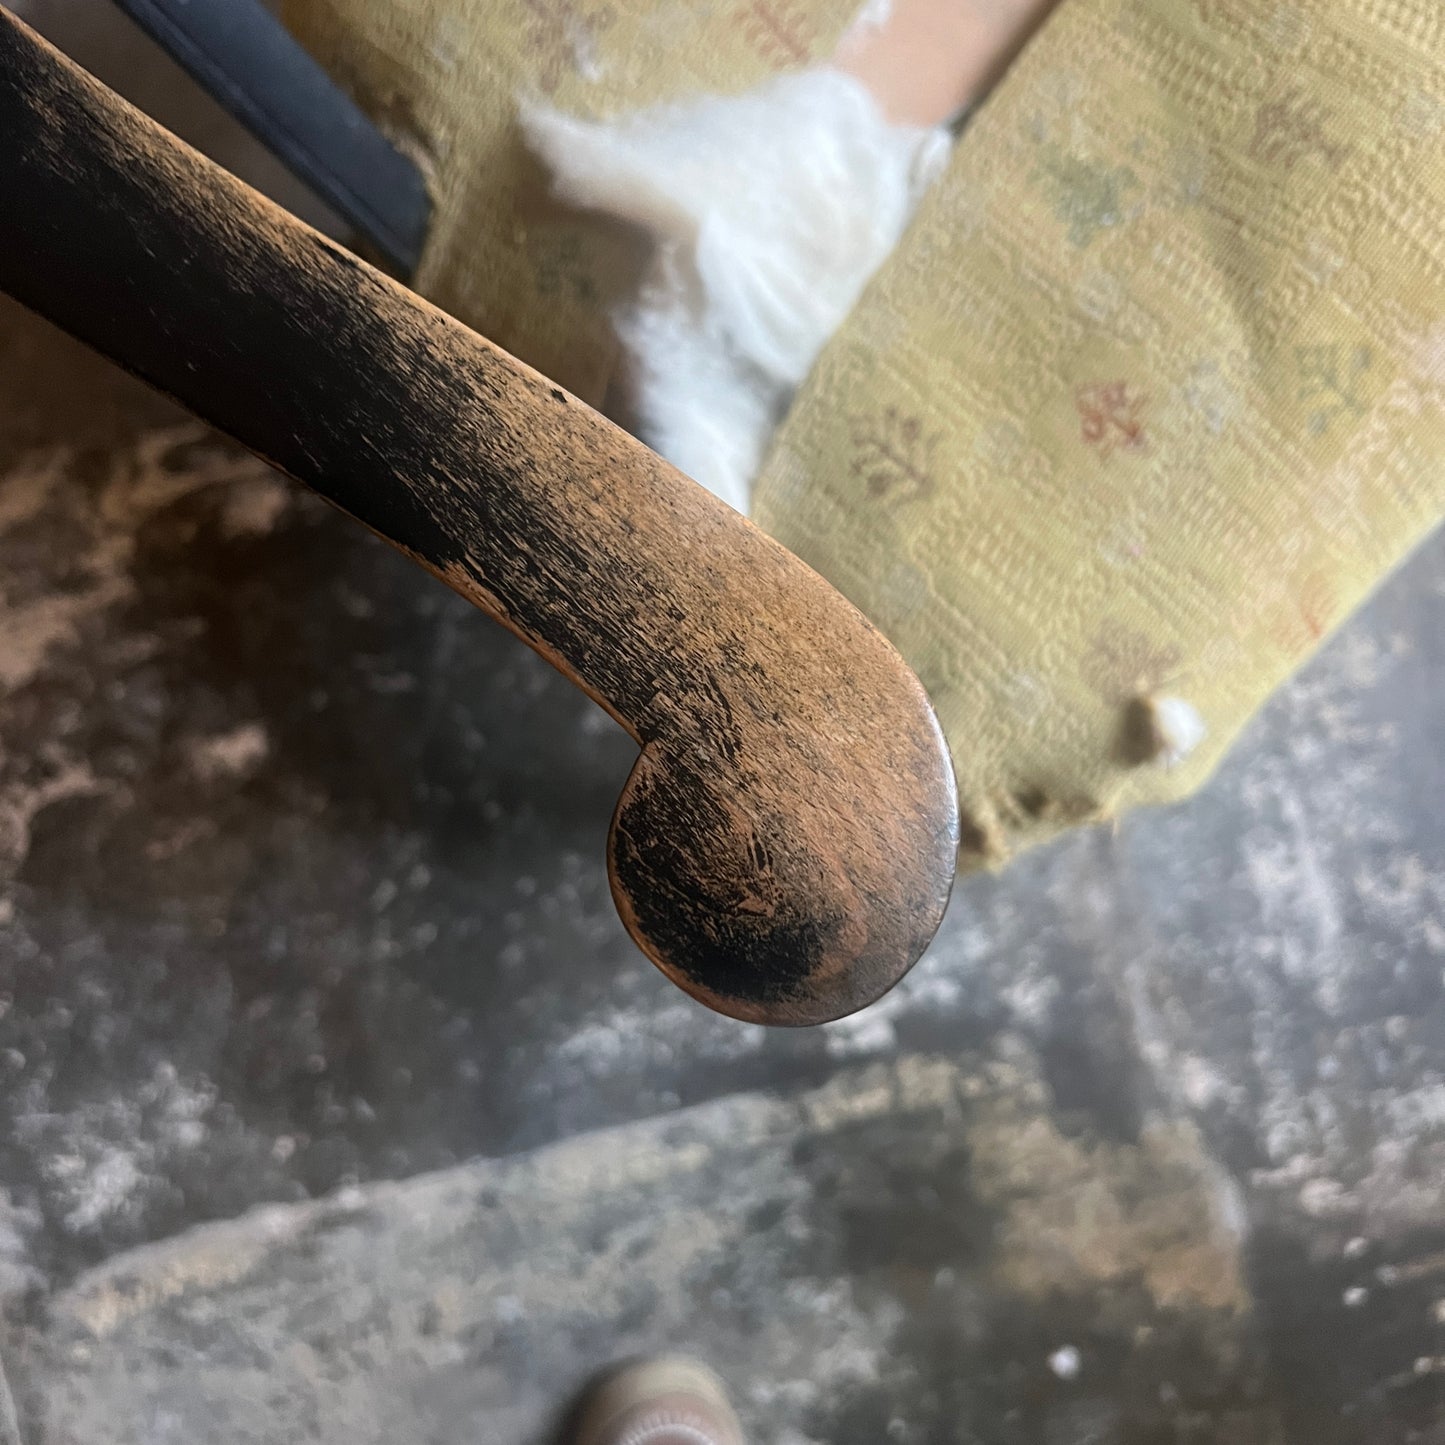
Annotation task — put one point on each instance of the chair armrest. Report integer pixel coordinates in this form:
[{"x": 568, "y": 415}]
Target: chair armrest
[{"x": 785, "y": 844}]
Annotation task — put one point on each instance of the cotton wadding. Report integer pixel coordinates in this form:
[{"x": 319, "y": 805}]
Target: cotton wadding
[
  {"x": 1161, "y": 730},
  {"x": 768, "y": 212}
]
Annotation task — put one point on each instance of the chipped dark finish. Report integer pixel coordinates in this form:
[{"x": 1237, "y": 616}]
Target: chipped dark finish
[{"x": 785, "y": 845}]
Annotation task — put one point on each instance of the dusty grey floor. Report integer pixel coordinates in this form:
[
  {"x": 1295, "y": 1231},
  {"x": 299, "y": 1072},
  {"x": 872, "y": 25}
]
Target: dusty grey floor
[{"x": 301, "y": 891}]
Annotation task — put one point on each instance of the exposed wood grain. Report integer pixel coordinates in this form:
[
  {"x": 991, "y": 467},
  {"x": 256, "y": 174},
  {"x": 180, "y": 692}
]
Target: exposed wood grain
[{"x": 785, "y": 845}]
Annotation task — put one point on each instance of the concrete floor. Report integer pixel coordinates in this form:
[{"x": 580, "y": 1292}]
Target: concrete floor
[{"x": 302, "y": 891}]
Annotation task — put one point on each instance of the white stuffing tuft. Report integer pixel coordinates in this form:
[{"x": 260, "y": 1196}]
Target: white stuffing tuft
[
  {"x": 1180, "y": 729},
  {"x": 769, "y": 212}
]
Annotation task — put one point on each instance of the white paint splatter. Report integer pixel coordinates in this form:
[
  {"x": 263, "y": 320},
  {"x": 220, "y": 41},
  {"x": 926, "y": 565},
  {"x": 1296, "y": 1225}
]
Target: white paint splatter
[
  {"x": 230, "y": 754},
  {"x": 253, "y": 506},
  {"x": 1066, "y": 1362},
  {"x": 104, "y": 1159}
]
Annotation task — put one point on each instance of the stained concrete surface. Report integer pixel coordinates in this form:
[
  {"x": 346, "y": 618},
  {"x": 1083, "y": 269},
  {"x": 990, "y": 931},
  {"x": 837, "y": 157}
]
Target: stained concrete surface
[
  {"x": 301, "y": 890},
  {"x": 781, "y": 1237}
]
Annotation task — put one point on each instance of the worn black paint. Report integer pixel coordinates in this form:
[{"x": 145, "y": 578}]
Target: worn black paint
[{"x": 535, "y": 507}]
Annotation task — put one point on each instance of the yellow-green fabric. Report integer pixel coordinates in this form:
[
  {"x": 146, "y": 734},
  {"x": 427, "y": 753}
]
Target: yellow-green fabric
[
  {"x": 444, "y": 77},
  {"x": 1151, "y": 394}
]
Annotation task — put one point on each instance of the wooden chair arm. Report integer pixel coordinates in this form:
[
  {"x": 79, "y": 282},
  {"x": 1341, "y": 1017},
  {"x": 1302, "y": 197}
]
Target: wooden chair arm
[{"x": 785, "y": 844}]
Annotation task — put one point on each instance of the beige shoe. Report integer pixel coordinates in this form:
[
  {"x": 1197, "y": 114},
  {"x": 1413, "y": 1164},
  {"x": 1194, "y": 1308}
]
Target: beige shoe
[{"x": 658, "y": 1402}]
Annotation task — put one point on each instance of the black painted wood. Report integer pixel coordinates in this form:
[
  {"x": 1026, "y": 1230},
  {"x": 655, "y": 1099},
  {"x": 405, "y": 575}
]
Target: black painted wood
[
  {"x": 240, "y": 52},
  {"x": 785, "y": 845}
]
